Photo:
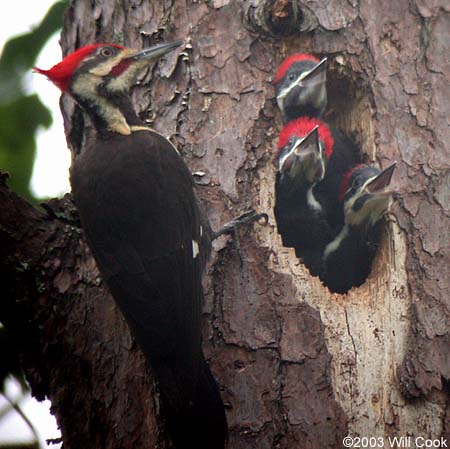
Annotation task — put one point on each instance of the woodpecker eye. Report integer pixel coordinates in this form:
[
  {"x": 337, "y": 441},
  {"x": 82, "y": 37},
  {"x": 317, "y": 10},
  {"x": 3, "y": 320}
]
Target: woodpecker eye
[
  {"x": 291, "y": 141},
  {"x": 291, "y": 76},
  {"x": 106, "y": 51}
]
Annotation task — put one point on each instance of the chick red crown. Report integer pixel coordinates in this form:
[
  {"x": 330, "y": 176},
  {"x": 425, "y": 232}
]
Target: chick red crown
[
  {"x": 286, "y": 64},
  {"x": 61, "y": 73},
  {"x": 302, "y": 127},
  {"x": 346, "y": 180}
]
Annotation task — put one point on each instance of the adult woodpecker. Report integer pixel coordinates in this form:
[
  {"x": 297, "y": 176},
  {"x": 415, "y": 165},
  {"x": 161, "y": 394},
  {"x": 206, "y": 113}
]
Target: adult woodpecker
[
  {"x": 304, "y": 147},
  {"x": 300, "y": 85},
  {"x": 365, "y": 197},
  {"x": 142, "y": 221}
]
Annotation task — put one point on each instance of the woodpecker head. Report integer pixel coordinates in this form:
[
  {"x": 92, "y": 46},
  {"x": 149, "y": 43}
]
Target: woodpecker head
[
  {"x": 100, "y": 76},
  {"x": 300, "y": 84},
  {"x": 365, "y": 193},
  {"x": 304, "y": 147}
]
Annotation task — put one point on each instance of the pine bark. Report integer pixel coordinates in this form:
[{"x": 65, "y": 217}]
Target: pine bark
[{"x": 299, "y": 367}]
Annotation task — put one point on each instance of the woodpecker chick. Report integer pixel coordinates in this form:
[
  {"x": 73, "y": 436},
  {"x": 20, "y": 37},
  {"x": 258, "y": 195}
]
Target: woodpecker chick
[
  {"x": 365, "y": 197},
  {"x": 300, "y": 85},
  {"x": 345, "y": 154},
  {"x": 147, "y": 232},
  {"x": 305, "y": 146}
]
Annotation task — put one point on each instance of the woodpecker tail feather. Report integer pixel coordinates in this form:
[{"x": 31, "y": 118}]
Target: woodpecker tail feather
[
  {"x": 190, "y": 396},
  {"x": 200, "y": 422}
]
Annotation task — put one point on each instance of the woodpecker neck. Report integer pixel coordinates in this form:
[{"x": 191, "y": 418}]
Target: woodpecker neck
[
  {"x": 295, "y": 188},
  {"x": 352, "y": 237},
  {"x": 336, "y": 243},
  {"x": 110, "y": 110},
  {"x": 312, "y": 200},
  {"x": 297, "y": 194},
  {"x": 291, "y": 111},
  {"x": 115, "y": 114}
]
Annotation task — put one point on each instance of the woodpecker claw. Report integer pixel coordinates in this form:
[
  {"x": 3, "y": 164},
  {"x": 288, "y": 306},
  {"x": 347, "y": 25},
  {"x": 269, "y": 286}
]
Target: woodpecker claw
[{"x": 247, "y": 217}]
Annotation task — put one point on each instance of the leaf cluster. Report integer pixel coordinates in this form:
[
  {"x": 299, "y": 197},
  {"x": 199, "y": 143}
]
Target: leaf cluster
[{"x": 21, "y": 113}]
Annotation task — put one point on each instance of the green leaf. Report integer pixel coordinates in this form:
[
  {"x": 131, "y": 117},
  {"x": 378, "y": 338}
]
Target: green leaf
[
  {"x": 19, "y": 121},
  {"x": 22, "y": 114}
]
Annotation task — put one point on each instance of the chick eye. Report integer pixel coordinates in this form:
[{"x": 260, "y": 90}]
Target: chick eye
[
  {"x": 106, "y": 51},
  {"x": 291, "y": 76},
  {"x": 291, "y": 141}
]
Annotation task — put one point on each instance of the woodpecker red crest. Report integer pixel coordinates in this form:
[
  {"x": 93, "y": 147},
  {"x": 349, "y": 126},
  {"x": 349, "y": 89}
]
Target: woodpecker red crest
[
  {"x": 345, "y": 184},
  {"x": 96, "y": 74},
  {"x": 61, "y": 73},
  {"x": 287, "y": 63},
  {"x": 303, "y": 126},
  {"x": 300, "y": 87}
]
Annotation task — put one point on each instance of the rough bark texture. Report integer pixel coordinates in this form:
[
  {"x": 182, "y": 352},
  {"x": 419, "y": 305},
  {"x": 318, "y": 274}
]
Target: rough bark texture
[{"x": 298, "y": 366}]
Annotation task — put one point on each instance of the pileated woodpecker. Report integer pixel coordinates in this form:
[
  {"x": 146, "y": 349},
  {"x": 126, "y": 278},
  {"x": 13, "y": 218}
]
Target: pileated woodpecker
[
  {"x": 307, "y": 207},
  {"x": 364, "y": 197},
  {"x": 142, "y": 221},
  {"x": 304, "y": 148},
  {"x": 300, "y": 84}
]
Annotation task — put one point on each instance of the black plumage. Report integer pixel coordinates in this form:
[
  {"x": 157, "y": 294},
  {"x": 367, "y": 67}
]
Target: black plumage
[
  {"x": 301, "y": 227},
  {"x": 142, "y": 221},
  {"x": 345, "y": 155},
  {"x": 148, "y": 234},
  {"x": 348, "y": 257},
  {"x": 351, "y": 263}
]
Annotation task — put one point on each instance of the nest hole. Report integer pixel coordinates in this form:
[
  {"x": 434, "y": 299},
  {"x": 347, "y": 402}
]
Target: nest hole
[{"x": 350, "y": 110}]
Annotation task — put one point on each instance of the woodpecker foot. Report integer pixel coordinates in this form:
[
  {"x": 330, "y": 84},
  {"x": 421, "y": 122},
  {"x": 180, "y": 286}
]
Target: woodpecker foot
[{"x": 246, "y": 218}]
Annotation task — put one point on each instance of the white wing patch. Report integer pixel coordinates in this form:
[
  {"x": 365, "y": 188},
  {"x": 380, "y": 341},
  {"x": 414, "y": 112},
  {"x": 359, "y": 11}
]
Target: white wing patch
[{"x": 195, "y": 249}]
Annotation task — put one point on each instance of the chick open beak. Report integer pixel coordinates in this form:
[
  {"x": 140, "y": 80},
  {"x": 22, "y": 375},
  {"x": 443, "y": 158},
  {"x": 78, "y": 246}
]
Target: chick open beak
[{"x": 378, "y": 185}]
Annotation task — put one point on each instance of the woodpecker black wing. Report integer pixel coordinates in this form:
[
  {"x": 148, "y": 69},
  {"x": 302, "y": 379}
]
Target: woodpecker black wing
[
  {"x": 143, "y": 223},
  {"x": 286, "y": 213},
  {"x": 350, "y": 263},
  {"x": 301, "y": 227},
  {"x": 136, "y": 202},
  {"x": 339, "y": 265},
  {"x": 368, "y": 241}
]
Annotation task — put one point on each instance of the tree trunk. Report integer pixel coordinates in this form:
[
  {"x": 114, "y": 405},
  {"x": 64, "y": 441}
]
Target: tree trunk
[{"x": 299, "y": 367}]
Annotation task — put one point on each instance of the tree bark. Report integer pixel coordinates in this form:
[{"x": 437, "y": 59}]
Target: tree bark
[{"x": 298, "y": 366}]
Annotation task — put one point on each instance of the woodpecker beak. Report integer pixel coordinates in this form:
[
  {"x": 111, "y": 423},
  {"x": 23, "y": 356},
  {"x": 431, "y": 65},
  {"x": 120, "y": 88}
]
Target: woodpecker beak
[
  {"x": 310, "y": 155},
  {"x": 317, "y": 73},
  {"x": 308, "y": 145},
  {"x": 125, "y": 69},
  {"x": 378, "y": 184},
  {"x": 155, "y": 52},
  {"x": 304, "y": 160}
]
